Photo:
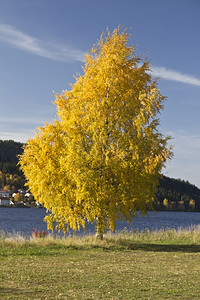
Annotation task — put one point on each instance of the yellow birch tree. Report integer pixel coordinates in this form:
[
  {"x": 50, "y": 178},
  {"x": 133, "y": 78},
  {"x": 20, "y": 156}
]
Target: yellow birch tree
[{"x": 101, "y": 161}]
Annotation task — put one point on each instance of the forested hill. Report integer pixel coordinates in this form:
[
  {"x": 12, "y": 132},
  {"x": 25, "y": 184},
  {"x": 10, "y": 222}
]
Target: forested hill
[
  {"x": 11, "y": 178},
  {"x": 9, "y": 150},
  {"x": 176, "y": 194},
  {"x": 172, "y": 194}
]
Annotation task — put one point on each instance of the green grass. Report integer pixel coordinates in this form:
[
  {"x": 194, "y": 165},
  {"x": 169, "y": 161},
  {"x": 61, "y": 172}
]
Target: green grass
[{"x": 149, "y": 265}]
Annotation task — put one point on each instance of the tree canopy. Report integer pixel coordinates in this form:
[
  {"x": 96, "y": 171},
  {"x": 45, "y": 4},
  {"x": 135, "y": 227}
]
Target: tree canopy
[{"x": 101, "y": 160}]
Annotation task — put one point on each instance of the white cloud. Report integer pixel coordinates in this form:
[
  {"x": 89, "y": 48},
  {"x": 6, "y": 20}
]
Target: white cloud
[
  {"x": 16, "y": 136},
  {"x": 186, "y": 161},
  {"x": 175, "y": 76},
  {"x": 21, "y": 120},
  {"x": 186, "y": 146},
  {"x": 18, "y": 39},
  {"x": 65, "y": 53}
]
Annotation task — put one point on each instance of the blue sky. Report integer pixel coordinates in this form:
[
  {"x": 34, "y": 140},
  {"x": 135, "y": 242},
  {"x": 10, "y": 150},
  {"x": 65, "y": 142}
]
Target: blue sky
[{"x": 43, "y": 42}]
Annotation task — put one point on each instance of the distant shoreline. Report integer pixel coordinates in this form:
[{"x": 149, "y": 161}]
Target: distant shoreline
[
  {"x": 9, "y": 206},
  {"x": 158, "y": 210}
]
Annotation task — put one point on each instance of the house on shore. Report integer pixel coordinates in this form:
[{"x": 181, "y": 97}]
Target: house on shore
[{"x": 4, "y": 198}]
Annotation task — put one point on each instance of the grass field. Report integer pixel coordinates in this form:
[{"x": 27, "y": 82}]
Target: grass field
[{"x": 149, "y": 265}]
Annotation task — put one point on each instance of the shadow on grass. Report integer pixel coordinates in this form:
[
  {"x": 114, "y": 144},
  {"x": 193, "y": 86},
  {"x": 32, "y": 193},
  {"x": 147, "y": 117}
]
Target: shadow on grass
[
  {"x": 158, "y": 247},
  {"x": 105, "y": 245},
  {"x": 11, "y": 293}
]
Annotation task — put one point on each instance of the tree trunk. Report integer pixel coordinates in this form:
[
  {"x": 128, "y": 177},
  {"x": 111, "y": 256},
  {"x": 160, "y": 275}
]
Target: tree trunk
[{"x": 99, "y": 233}]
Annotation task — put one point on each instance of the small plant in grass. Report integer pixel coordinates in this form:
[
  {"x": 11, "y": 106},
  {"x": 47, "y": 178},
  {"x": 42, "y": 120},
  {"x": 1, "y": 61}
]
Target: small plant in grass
[
  {"x": 38, "y": 234},
  {"x": 2, "y": 235}
]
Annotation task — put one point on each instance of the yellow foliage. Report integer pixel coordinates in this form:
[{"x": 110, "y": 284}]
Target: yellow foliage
[
  {"x": 166, "y": 203},
  {"x": 101, "y": 161}
]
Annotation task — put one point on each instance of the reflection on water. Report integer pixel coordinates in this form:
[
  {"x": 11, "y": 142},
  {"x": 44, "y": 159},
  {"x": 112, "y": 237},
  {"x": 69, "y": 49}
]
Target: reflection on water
[{"x": 23, "y": 220}]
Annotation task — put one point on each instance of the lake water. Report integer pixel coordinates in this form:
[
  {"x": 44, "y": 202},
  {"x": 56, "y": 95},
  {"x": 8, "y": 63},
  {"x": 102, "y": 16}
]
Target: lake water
[{"x": 23, "y": 220}]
